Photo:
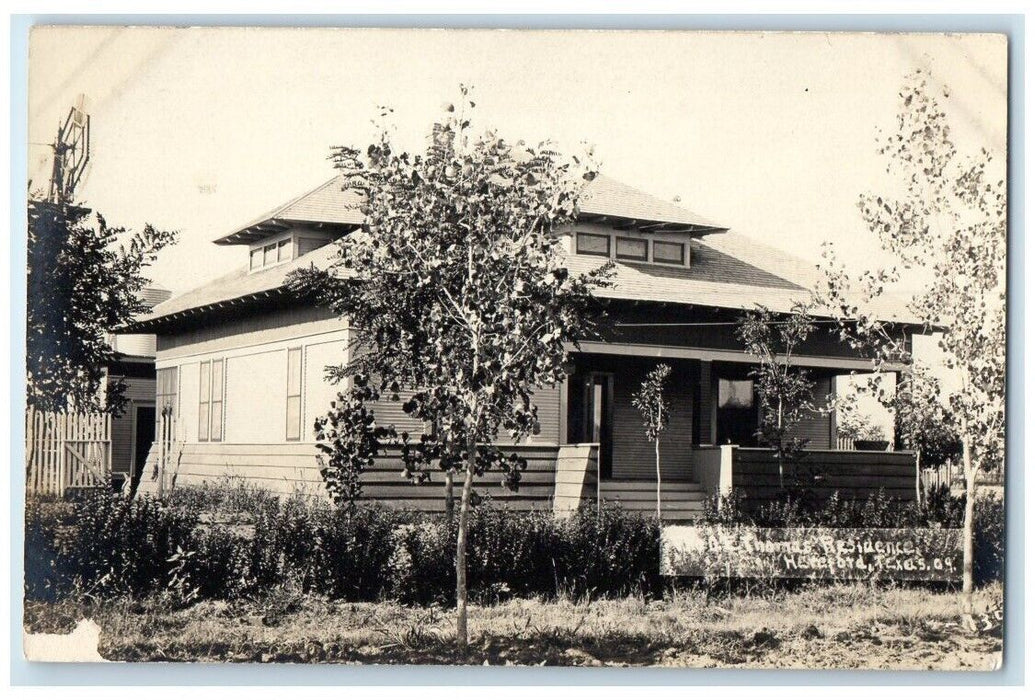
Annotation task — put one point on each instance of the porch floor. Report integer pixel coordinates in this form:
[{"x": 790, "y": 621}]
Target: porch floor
[{"x": 680, "y": 500}]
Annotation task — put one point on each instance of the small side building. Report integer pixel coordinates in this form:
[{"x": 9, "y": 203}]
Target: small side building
[{"x": 133, "y": 432}]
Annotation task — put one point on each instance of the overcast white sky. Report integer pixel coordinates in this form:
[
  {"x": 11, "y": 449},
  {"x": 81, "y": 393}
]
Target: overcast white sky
[{"x": 201, "y": 130}]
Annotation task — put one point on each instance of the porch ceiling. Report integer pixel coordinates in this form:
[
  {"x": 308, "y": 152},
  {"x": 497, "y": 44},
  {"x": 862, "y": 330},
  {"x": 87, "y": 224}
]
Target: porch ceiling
[{"x": 632, "y": 349}]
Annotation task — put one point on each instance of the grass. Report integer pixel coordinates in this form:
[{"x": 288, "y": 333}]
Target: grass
[{"x": 816, "y": 626}]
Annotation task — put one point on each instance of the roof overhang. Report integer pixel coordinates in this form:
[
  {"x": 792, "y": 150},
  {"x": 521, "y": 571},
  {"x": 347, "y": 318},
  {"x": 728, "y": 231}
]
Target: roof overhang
[
  {"x": 229, "y": 307},
  {"x": 256, "y": 232},
  {"x": 620, "y": 223}
]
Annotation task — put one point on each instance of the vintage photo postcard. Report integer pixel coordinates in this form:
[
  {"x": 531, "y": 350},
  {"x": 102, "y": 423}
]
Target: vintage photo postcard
[{"x": 516, "y": 348}]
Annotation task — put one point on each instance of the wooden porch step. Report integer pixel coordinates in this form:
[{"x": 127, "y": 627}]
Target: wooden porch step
[
  {"x": 651, "y": 496},
  {"x": 675, "y": 487}
]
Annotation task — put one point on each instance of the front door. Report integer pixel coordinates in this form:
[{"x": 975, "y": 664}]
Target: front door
[{"x": 590, "y": 414}]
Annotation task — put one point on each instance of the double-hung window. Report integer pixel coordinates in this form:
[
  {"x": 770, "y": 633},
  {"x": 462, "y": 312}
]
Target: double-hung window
[
  {"x": 210, "y": 401},
  {"x": 294, "y": 394},
  {"x": 167, "y": 383}
]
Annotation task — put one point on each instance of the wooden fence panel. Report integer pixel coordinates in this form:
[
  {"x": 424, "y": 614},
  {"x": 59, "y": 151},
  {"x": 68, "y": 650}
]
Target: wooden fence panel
[{"x": 66, "y": 450}]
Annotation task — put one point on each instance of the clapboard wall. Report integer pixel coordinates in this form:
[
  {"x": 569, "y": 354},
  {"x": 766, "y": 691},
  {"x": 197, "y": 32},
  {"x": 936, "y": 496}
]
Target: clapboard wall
[{"x": 294, "y": 469}]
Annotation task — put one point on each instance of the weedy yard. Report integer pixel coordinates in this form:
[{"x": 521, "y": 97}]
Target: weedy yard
[
  {"x": 818, "y": 626},
  {"x": 233, "y": 575}
]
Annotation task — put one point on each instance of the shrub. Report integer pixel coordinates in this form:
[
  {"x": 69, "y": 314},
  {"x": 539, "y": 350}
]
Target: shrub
[
  {"x": 939, "y": 509},
  {"x": 615, "y": 553},
  {"x": 352, "y": 553},
  {"x": 423, "y": 565},
  {"x": 989, "y": 539},
  {"x": 108, "y": 544}
]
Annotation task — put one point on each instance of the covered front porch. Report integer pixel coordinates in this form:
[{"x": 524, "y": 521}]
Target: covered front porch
[{"x": 710, "y": 444}]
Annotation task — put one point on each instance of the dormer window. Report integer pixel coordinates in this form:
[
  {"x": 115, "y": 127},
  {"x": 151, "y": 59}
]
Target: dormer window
[
  {"x": 276, "y": 250},
  {"x": 669, "y": 252},
  {"x": 593, "y": 244},
  {"x": 270, "y": 253},
  {"x": 655, "y": 249},
  {"x": 631, "y": 249}
]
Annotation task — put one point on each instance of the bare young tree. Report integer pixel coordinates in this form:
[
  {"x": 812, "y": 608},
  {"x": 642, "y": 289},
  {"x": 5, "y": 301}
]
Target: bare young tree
[{"x": 654, "y": 408}]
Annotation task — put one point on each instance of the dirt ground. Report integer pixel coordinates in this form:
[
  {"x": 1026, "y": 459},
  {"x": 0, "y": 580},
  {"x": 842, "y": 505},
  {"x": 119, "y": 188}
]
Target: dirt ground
[{"x": 820, "y": 627}]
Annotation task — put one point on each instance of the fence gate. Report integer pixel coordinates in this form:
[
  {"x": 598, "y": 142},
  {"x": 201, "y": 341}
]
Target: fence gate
[{"x": 66, "y": 451}]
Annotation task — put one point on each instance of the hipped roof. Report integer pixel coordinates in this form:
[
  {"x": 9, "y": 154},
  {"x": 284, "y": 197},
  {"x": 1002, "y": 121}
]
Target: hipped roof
[{"x": 604, "y": 199}]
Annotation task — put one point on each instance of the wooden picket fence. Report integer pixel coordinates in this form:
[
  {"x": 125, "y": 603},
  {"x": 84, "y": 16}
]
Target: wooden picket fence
[
  {"x": 166, "y": 453},
  {"x": 66, "y": 451},
  {"x": 948, "y": 474}
]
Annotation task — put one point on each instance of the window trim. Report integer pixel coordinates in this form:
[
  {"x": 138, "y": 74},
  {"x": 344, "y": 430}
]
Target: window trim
[
  {"x": 605, "y": 236},
  {"x": 654, "y": 255},
  {"x": 646, "y": 249},
  {"x": 204, "y": 400},
  {"x": 221, "y": 400},
  {"x": 210, "y": 399},
  {"x": 160, "y": 406},
  {"x": 274, "y": 242},
  {"x": 288, "y": 395}
]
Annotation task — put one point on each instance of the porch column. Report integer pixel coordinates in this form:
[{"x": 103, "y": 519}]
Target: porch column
[
  {"x": 707, "y": 408},
  {"x": 562, "y": 413}
]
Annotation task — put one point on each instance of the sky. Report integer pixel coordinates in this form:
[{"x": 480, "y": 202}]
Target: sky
[{"x": 201, "y": 130}]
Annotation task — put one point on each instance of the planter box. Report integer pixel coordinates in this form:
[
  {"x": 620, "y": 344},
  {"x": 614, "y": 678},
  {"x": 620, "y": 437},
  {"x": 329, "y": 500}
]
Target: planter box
[
  {"x": 713, "y": 551},
  {"x": 878, "y": 445}
]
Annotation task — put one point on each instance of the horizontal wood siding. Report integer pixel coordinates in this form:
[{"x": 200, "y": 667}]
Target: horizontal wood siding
[
  {"x": 138, "y": 390},
  {"x": 815, "y": 427},
  {"x": 293, "y": 468},
  {"x": 253, "y": 329},
  {"x": 632, "y": 455},
  {"x": 576, "y": 477},
  {"x": 852, "y": 474}
]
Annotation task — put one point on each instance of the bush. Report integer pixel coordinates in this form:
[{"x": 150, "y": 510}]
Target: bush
[
  {"x": 989, "y": 539},
  {"x": 939, "y": 509},
  {"x": 106, "y": 545},
  {"x": 614, "y": 554}
]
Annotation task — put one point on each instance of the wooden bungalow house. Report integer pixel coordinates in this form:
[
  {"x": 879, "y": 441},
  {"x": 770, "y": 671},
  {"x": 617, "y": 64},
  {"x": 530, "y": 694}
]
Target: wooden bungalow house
[{"x": 240, "y": 365}]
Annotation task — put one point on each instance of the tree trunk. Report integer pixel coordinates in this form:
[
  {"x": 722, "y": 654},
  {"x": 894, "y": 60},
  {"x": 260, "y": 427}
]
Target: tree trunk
[
  {"x": 449, "y": 496},
  {"x": 657, "y": 465},
  {"x": 461, "y": 549},
  {"x": 779, "y": 437},
  {"x": 968, "y": 523}
]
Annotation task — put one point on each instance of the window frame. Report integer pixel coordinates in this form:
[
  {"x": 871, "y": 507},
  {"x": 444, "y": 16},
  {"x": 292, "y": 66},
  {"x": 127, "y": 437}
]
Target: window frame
[
  {"x": 587, "y": 234},
  {"x": 204, "y": 400},
  {"x": 162, "y": 399},
  {"x": 646, "y": 249},
  {"x": 288, "y": 423},
  {"x": 654, "y": 252},
  {"x": 208, "y": 397}
]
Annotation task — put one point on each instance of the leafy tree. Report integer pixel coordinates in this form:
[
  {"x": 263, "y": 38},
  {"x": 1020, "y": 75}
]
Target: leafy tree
[
  {"x": 852, "y": 423},
  {"x": 455, "y": 288},
  {"x": 654, "y": 408},
  {"x": 943, "y": 218},
  {"x": 922, "y": 419},
  {"x": 82, "y": 284},
  {"x": 785, "y": 392}
]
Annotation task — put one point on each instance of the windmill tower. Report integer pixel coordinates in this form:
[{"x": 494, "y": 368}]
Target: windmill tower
[{"x": 71, "y": 153}]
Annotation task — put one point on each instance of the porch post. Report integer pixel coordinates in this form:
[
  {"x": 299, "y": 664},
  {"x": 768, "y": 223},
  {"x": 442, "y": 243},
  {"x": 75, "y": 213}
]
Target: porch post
[
  {"x": 708, "y": 405},
  {"x": 562, "y": 413},
  {"x": 727, "y": 454}
]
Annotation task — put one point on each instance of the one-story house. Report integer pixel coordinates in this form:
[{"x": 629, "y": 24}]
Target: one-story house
[{"x": 241, "y": 366}]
